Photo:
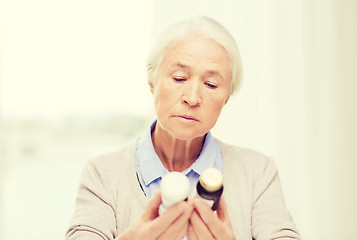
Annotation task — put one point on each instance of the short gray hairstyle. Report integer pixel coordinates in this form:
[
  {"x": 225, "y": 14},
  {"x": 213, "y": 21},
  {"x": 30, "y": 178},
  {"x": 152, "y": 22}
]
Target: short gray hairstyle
[{"x": 204, "y": 27}]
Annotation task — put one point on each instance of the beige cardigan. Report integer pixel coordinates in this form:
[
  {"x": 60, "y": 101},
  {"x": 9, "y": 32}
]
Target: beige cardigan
[{"x": 110, "y": 198}]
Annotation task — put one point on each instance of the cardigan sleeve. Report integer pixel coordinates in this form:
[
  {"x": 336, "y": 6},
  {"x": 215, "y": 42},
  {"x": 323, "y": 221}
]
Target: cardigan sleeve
[
  {"x": 94, "y": 214},
  {"x": 270, "y": 217}
]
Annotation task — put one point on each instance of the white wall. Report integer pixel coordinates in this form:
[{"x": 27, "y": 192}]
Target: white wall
[
  {"x": 78, "y": 57},
  {"x": 66, "y": 66}
]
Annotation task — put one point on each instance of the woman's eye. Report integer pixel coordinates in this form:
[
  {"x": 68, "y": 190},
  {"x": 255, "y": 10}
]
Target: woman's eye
[
  {"x": 179, "y": 79},
  {"x": 210, "y": 85}
]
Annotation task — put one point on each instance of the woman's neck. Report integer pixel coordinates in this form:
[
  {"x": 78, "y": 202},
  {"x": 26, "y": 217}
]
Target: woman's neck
[{"x": 175, "y": 154}]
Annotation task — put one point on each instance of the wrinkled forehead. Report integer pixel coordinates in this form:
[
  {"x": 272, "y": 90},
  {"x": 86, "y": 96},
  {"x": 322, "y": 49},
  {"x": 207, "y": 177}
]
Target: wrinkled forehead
[{"x": 195, "y": 48}]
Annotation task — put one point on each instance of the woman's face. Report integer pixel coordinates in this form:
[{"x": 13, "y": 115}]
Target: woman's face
[{"x": 192, "y": 85}]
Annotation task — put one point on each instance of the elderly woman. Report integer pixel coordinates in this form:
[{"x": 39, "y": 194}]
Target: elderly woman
[{"x": 192, "y": 71}]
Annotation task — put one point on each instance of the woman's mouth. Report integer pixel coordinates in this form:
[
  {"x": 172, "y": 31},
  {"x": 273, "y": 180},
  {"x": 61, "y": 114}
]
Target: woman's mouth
[{"x": 188, "y": 118}]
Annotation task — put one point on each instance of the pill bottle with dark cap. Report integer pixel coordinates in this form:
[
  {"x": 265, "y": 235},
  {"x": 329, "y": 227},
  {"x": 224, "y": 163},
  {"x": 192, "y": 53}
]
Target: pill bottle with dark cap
[{"x": 210, "y": 187}]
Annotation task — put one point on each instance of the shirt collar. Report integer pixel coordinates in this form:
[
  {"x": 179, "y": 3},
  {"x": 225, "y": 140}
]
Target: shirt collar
[
  {"x": 209, "y": 157},
  {"x": 150, "y": 164},
  {"x": 152, "y": 168}
]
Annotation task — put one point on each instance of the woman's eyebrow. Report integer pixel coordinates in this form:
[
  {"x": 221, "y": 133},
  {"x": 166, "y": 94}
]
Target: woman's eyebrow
[
  {"x": 214, "y": 73},
  {"x": 180, "y": 65},
  {"x": 185, "y": 67}
]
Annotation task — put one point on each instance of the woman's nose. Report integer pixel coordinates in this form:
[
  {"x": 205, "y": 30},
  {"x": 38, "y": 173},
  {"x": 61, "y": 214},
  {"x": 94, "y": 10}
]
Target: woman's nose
[{"x": 192, "y": 94}]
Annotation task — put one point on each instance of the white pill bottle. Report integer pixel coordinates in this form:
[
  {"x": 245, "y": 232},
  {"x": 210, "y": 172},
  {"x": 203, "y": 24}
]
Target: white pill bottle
[{"x": 175, "y": 187}]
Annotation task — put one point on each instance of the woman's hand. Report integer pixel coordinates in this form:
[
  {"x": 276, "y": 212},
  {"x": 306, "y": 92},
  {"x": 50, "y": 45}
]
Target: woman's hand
[
  {"x": 205, "y": 224},
  {"x": 172, "y": 224}
]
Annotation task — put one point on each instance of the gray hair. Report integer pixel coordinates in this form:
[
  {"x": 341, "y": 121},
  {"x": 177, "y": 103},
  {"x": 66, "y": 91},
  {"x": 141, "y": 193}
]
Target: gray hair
[{"x": 205, "y": 27}]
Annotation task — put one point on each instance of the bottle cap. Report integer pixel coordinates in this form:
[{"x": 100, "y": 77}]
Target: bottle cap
[
  {"x": 211, "y": 179},
  {"x": 175, "y": 187}
]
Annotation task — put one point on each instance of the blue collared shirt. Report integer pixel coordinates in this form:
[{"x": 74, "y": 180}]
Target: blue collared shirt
[{"x": 150, "y": 169}]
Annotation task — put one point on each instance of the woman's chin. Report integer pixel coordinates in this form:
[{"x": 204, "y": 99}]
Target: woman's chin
[{"x": 187, "y": 135}]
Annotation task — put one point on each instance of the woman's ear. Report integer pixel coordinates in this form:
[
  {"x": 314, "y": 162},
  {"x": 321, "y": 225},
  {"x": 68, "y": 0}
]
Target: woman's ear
[
  {"x": 151, "y": 85},
  {"x": 225, "y": 102}
]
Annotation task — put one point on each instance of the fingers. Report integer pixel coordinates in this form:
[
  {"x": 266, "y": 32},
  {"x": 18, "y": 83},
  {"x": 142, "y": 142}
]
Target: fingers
[
  {"x": 173, "y": 224},
  {"x": 222, "y": 211},
  {"x": 152, "y": 208},
  {"x": 206, "y": 213},
  {"x": 191, "y": 235},
  {"x": 209, "y": 218},
  {"x": 182, "y": 233},
  {"x": 181, "y": 219},
  {"x": 219, "y": 224},
  {"x": 199, "y": 227},
  {"x": 183, "y": 222},
  {"x": 178, "y": 228}
]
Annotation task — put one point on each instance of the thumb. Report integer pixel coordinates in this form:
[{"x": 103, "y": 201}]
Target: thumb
[
  {"x": 152, "y": 209},
  {"x": 222, "y": 211}
]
